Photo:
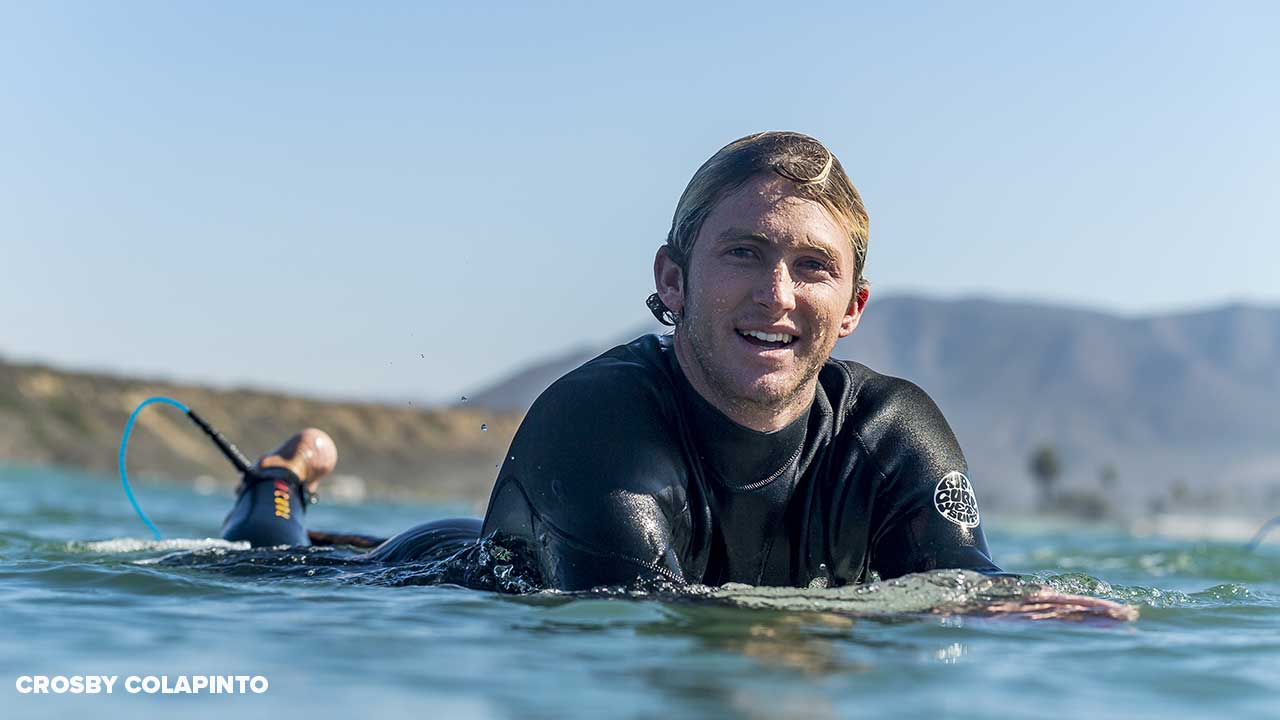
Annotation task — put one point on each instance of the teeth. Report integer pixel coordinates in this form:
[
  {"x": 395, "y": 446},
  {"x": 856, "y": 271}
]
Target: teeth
[{"x": 767, "y": 337}]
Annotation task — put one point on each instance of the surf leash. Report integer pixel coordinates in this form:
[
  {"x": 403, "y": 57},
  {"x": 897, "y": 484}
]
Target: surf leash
[
  {"x": 227, "y": 447},
  {"x": 1261, "y": 535}
]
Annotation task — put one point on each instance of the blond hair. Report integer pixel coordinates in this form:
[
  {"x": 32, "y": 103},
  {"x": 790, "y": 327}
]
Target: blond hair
[{"x": 815, "y": 172}]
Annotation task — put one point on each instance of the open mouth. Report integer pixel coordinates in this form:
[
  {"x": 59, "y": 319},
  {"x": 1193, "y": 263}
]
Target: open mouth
[{"x": 771, "y": 341}]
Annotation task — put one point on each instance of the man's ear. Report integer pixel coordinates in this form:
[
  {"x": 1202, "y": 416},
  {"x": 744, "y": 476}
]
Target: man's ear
[
  {"x": 669, "y": 279},
  {"x": 854, "y": 313}
]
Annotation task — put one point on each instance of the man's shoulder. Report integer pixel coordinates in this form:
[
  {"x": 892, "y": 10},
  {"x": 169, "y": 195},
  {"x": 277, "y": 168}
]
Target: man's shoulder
[
  {"x": 605, "y": 428},
  {"x": 646, "y": 355},
  {"x": 879, "y": 407},
  {"x": 627, "y": 376},
  {"x": 852, "y": 385}
]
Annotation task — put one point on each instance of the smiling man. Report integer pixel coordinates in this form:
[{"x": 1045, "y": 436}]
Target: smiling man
[{"x": 734, "y": 449}]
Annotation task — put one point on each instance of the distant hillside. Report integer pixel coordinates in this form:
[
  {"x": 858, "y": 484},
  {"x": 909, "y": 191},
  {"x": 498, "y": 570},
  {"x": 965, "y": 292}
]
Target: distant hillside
[
  {"x": 1186, "y": 403},
  {"x": 1186, "y": 399},
  {"x": 518, "y": 390},
  {"x": 53, "y": 416},
  {"x": 1185, "y": 407}
]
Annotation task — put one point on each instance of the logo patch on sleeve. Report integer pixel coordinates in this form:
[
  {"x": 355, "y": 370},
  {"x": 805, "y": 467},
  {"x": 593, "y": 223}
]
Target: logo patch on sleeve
[{"x": 955, "y": 500}]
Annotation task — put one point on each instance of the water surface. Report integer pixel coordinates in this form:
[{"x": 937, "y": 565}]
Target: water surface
[{"x": 85, "y": 591}]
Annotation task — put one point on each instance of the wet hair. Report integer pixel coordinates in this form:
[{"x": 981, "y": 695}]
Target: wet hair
[{"x": 815, "y": 172}]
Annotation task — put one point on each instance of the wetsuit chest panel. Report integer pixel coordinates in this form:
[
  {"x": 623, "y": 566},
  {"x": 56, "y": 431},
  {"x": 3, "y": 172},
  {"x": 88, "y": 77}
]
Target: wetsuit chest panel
[
  {"x": 753, "y": 536},
  {"x": 622, "y": 471},
  {"x": 596, "y": 480},
  {"x": 748, "y": 478}
]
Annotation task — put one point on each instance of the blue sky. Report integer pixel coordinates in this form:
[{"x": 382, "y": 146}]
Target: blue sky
[{"x": 407, "y": 200}]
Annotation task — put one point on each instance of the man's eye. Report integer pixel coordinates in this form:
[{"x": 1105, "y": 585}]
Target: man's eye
[
  {"x": 814, "y": 266},
  {"x": 742, "y": 252}
]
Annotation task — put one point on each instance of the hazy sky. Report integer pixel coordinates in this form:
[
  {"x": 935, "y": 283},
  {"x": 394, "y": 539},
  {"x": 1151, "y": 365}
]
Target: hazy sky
[{"x": 409, "y": 200}]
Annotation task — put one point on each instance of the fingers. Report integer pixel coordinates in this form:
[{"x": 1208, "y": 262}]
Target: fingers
[
  {"x": 310, "y": 454},
  {"x": 318, "y": 450},
  {"x": 1051, "y": 605}
]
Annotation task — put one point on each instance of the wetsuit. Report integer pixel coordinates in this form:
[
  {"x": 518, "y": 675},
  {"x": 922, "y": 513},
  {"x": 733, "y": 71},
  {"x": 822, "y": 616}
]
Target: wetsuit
[
  {"x": 622, "y": 471},
  {"x": 269, "y": 508}
]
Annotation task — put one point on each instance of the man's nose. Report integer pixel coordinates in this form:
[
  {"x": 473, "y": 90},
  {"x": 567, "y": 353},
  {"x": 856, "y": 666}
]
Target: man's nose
[{"x": 777, "y": 291}]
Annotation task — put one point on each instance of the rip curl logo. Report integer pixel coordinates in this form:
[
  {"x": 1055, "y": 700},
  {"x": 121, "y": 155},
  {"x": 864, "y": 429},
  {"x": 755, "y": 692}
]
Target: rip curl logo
[
  {"x": 955, "y": 500},
  {"x": 281, "y": 494}
]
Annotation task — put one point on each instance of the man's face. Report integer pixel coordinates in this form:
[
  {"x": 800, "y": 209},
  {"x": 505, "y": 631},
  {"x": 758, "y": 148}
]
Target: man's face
[{"x": 771, "y": 277}]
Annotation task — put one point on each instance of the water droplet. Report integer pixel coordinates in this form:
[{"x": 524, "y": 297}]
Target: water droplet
[
  {"x": 484, "y": 427},
  {"x": 464, "y": 398}
]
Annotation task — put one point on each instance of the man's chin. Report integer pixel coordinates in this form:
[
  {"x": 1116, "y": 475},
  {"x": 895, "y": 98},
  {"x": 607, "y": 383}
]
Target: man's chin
[
  {"x": 775, "y": 385},
  {"x": 768, "y": 391}
]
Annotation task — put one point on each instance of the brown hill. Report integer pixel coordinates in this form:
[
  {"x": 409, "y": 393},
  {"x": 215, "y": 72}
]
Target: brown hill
[{"x": 73, "y": 418}]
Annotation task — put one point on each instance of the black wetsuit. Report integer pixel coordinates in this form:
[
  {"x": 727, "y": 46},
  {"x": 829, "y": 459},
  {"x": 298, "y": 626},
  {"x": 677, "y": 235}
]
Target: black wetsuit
[
  {"x": 269, "y": 508},
  {"x": 622, "y": 471}
]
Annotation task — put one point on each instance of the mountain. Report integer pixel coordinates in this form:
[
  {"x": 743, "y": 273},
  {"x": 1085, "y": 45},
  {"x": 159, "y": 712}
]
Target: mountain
[
  {"x": 1184, "y": 407},
  {"x": 516, "y": 391},
  {"x": 1180, "y": 404}
]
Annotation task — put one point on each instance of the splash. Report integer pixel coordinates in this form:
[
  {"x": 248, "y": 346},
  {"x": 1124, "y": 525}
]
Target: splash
[
  {"x": 497, "y": 565},
  {"x": 486, "y": 564},
  {"x": 939, "y": 592},
  {"x": 1150, "y": 597},
  {"x": 134, "y": 545}
]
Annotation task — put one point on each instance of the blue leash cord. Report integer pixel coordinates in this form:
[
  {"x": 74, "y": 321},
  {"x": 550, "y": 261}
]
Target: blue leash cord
[
  {"x": 124, "y": 444},
  {"x": 228, "y": 448},
  {"x": 1261, "y": 535}
]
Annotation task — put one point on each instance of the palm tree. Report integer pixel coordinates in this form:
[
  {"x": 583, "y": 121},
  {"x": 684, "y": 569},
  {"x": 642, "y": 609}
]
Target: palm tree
[
  {"x": 1046, "y": 468},
  {"x": 1108, "y": 476}
]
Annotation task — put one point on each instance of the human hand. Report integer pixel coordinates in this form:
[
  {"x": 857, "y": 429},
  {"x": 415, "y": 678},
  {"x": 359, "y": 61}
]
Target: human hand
[
  {"x": 309, "y": 453},
  {"x": 1046, "y": 604}
]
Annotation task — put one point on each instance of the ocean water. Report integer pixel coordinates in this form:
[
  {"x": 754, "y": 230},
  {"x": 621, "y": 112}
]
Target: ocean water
[{"x": 85, "y": 591}]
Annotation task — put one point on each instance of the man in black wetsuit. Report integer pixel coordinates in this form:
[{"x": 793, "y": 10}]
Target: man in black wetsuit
[{"x": 734, "y": 449}]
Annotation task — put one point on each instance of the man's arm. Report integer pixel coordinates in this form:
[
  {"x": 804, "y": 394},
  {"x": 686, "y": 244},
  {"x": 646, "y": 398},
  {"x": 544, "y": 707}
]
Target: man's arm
[
  {"x": 272, "y": 497},
  {"x": 927, "y": 514},
  {"x": 593, "y": 481},
  {"x": 926, "y": 511}
]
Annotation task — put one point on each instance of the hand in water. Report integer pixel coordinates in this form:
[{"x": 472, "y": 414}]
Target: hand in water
[
  {"x": 310, "y": 454},
  {"x": 1049, "y": 604}
]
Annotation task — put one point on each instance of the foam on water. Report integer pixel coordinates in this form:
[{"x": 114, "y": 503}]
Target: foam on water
[
  {"x": 1155, "y": 597},
  {"x": 487, "y": 565},
  {"x": 118, "y": 546},
  {"x": 932, "y": 592}
]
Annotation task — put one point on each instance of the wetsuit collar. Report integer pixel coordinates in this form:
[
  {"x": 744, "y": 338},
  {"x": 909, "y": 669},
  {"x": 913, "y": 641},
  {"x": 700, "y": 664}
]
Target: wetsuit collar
[{"x": 737, "y": 456}]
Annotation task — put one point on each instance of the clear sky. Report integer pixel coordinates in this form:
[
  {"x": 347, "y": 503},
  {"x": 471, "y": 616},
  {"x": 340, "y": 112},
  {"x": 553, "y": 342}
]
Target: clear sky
[{"x": 407, "y": 200}]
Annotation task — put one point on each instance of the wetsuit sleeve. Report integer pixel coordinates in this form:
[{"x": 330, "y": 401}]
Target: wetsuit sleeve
[
  {"x": 592, "y": 483},
  {"x": 926, "y": 512},
  {"x": 269, "y": 510}
]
